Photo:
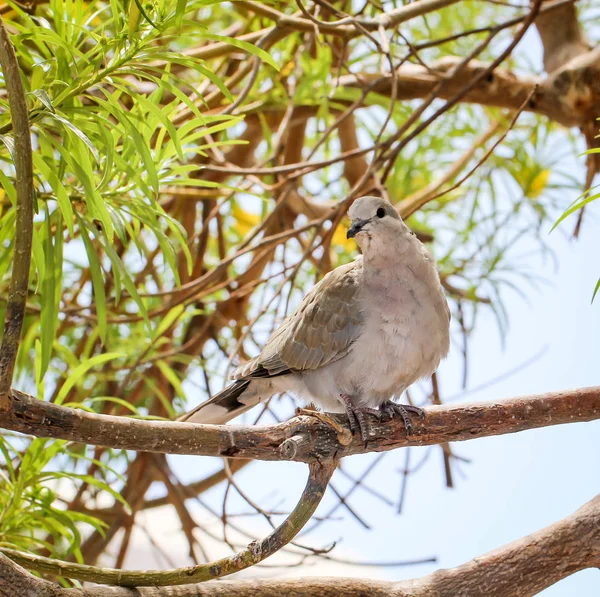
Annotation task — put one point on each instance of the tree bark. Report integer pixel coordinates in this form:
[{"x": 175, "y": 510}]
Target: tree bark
[
  {"x": 570, "y": 96},
  {"x": 23, "y": 162},
  {"x": 520, "y": 569},
  {"x": 255, "y": 552},
  {"x": 304, "y": 438},
  {"x": 561, "y": 35}
]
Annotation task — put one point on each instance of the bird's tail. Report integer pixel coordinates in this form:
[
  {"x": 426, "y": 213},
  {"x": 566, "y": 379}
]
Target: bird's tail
[{"x": 234, "y": 400}]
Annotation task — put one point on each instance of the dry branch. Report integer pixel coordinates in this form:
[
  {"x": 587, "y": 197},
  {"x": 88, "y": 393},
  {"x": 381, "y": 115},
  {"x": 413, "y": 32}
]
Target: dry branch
[
  {"x": 520, "y": 569},
  {"x": 320, "y": 441}
]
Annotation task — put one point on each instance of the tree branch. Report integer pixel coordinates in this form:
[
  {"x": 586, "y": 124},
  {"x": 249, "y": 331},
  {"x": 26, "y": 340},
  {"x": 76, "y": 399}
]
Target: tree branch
[
  {"x": 256, "y": 552},
  {"x": 573, "y": 67},
  {"x": 312, "y": 439},
  {"x": 503, "y": 89},
  {"x": 520, "y": 569},
  {"x": 561, "y": 35},
  {"x": 19, "y": 283},
  {"x": 355, "y": 26}
]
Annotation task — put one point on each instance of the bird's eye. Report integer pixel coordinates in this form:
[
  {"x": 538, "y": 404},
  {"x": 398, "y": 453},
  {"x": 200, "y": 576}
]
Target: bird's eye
[{"x": 380, "y": 212}]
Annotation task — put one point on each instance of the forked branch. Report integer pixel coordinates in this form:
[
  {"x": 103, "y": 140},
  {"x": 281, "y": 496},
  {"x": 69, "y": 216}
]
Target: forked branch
[{"x": 256, "y": 552}]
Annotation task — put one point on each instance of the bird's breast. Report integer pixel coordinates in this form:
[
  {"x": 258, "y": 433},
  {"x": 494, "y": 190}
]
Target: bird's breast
[{"x": 405, "y": 336}]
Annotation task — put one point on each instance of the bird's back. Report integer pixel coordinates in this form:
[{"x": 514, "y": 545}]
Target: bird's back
[{"x": 320, "y": 331}]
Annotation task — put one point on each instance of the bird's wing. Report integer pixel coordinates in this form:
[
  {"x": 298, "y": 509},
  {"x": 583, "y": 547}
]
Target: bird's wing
[{"x": 321, "y": 329}]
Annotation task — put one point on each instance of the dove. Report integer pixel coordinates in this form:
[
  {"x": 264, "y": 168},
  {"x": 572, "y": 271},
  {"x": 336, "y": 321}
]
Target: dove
[{"x": 360, "y": 337}]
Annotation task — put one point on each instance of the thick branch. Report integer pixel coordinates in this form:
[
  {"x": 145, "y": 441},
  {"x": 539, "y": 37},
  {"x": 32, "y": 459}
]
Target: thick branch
[
  {"x": 570, "y": 96},
  {"x": 19, "y": 283},
  {"x": 256, "y": 552},
  {"x": 519, "y": 569},
  {"x": 14, "y": 580},
  {"x": 312, "y": 438},
  {"x": 561, "y": 35},
  {"x": 502, "y": 89},
  {"x": 526, "y": 566}
]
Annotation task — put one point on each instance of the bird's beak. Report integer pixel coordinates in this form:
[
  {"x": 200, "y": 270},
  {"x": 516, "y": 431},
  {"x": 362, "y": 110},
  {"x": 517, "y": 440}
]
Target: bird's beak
[{"x": 355, "y": 228}]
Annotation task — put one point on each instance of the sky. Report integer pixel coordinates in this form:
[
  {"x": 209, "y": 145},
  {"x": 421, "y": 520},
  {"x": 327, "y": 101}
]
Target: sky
[{"x": 512, "y": 485}]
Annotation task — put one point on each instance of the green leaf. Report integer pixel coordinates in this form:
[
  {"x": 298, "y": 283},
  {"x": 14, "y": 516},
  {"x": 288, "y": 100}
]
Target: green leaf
[
  {"x": 596, "y": 290},
  {"x": 62, "y": 197},
  {"x": 577, "y": 205},
  {"x": 244, "y": 45},
  {"x": 52, "y": 279},
  {"x": 39, "y": 378},
  {"x": 78, "y": 160},
  {"x": 166, "y": 403},
  {"x": 171, "y": 377},
  {"x": 37, "y": 253},
  {"x": 4, "y": 448},
  {"x": 151, "y": 107},
  {"x": 180, "y": 13},
  {"x": 140, "y": 144},
  {"x": 79, "y": 372},
  {"x": 9, "y": 143},
  {"x": 77, "y": 132},
  {"x": 97, "y": 279},
  {"x": 113, "y": 399},
  {"x": 144, "y": 14},
  {"x": 127, "y": 280},
  {"x": 44, "y": 98},
  {"x": 8, "y": 187},
  {"x": 167, "y": 321}
]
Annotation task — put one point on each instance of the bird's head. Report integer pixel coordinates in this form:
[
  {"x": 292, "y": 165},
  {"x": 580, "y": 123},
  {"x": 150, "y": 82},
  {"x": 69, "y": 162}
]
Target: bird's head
[{"x": 375, "y": 222}]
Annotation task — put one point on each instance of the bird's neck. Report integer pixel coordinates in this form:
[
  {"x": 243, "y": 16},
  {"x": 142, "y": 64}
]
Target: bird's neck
[{"x": 388, "y": 256}]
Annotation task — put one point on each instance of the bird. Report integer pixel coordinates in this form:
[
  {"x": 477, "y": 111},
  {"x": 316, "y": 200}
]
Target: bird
[{"x": 362, "y": 335}]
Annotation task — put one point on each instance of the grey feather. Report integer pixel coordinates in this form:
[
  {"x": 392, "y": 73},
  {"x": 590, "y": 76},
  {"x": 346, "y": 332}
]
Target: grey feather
[{"x": 320, "y": 331}]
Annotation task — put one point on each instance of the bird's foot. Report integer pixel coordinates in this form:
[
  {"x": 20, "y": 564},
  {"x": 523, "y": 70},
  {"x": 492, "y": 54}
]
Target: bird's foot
[
  {"x": 388, "y": 410},
  {"x": 357, "y": 417},
  {"x": 344, "y": 438}
]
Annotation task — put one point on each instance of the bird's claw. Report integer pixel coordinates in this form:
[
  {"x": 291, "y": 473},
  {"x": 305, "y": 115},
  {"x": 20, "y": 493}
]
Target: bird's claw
[
  {"x": 357, "y": 419},
  {"x": 391, "y": 409}
]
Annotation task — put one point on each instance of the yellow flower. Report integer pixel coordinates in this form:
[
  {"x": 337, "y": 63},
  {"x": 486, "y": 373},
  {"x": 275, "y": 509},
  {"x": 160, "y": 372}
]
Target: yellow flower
[
  {"x": 538, "y": 184},
  {"x": 287, "y": 69},
  {"x": 245, "y": 221},
  {"x": 339, "y": 238}
]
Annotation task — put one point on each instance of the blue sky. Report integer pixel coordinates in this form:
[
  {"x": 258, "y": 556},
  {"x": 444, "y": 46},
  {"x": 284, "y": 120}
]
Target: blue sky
[
  {"x": 518, "y": 483},
  {"x": 514, "y": 484}
]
